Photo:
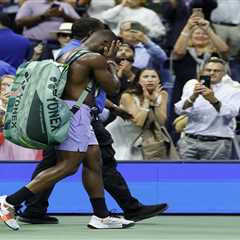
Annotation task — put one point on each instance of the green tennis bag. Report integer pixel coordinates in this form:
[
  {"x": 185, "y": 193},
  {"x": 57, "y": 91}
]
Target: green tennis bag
[{"x": 36, "y": 116}]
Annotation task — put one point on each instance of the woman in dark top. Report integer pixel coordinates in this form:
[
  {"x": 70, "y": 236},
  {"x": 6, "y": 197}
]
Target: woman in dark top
[{"x": 195, "y": 45}]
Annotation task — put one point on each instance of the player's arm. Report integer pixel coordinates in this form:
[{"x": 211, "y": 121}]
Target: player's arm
[{"x": 105, "y": 73}]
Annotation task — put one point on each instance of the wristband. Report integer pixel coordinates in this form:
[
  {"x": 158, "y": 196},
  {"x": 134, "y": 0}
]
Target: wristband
[{"x": 190, "y": 100}]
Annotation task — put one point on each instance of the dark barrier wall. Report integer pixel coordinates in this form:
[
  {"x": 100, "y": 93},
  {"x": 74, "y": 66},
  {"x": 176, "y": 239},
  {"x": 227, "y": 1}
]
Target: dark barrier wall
[{"x": 186, "y": 187}]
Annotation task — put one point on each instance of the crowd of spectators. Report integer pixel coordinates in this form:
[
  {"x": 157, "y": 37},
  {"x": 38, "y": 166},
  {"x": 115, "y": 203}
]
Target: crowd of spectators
[{"x": 167, "y": 45}]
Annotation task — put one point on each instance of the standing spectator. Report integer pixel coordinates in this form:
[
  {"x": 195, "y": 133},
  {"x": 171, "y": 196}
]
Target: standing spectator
[
  {"x": 133, "y": 10},
  {"x": 195, "y": 45},
  {"x": 41, "y": 17},
  {"x": 14, "y": 48},
  {"x": 97, "y": 7},
  {"x": 226, "y": 21},
  {"x": 147, "y": 53},
  {"x": 211, "y": 115},
  {"x": 146, "y": 93}
]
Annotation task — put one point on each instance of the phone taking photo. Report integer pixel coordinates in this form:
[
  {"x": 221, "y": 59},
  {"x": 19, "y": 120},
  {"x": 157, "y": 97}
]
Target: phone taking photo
[
  {"x": 205, "y": 80},
  {"x": 55, "y": 5},
  {"x": 197, "y": 12}
]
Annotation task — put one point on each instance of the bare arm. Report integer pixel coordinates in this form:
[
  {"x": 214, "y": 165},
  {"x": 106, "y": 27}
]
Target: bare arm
[
  {"x": 139, "y": 113},
  {"x": 217, "y": 42},
  {"x": 105, "y": 73},
  {"x": 161, "y": 109},
  {"x": 32, "y": 21}
]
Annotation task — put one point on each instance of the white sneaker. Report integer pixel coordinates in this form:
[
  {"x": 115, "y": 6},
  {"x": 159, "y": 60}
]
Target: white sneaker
[
  {"x": 7, "y": 214},
  {"x": 109, "y": 223}
]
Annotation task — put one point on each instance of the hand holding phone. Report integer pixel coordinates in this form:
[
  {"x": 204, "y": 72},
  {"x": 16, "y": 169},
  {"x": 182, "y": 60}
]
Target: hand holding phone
[
  {"x": 198, "y": 12},
  {"x": 205, "y": 80},
  {"x": 55, "y": 5}
]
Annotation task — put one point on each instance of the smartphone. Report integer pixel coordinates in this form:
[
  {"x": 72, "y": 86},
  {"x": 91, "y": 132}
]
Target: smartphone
[
  {"x": 205, "y": 80},
  {"x": 55, "y": 5},
  {"x": 197, "y": 12},
  {"x": 136, "y": 26}
]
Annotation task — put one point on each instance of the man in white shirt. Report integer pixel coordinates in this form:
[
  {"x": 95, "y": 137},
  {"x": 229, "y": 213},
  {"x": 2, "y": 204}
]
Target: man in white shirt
[
  {"x": 226, "y": 22},
  {"x": 211, "y": 115},
  {"x": 132, "y": 10}
]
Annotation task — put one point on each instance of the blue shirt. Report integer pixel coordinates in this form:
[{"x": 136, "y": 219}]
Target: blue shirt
[
  {"x": 14, "y": 48},
  {"x": 101, "y": 97},
  {"x": 6, "y": 68}
]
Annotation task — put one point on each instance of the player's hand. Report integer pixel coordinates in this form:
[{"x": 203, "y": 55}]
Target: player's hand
[
  {"x": 110, "y": 53},
  {"x": 121, "y": 112}
]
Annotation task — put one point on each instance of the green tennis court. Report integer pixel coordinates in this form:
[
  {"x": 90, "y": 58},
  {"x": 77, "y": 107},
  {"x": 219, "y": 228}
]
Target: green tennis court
[{"x": 161, "y": 228}]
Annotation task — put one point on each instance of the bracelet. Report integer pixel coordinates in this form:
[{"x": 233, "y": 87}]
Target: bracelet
[
  {"x": 190, "y": 100},
  {"x": 216, "y": 103}
]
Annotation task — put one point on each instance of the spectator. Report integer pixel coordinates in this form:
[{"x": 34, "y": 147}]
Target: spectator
[
  {"x": 147, "y": 53},
  {"x": 8, "y": 150},
  {"x": 14, "y": 48},
  {"x": 195, "y": 45},
  {"x": 148, "y": 93},
  {"x": 226, "y": 22},
  {"x": 97, "y": 7},
  {"x": 211, "y": 115},
  {"x": 45, "y": 51},
  {"x": 133, "y": 10},
  {"x": 40, "y": 18}
]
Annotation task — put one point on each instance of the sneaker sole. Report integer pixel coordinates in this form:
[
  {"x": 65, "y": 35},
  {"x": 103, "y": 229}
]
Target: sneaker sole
[
  {"x": 149, "y": 215},
  {"x": 35, "y": 221},
  {"x": 9, "y": 226},
  {"x": 124, "y": 226},
  {"x": 14, "y": 229}
]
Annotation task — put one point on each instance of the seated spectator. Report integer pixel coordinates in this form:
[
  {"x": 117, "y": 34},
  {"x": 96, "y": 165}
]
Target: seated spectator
[
  {"x": 133, "y": 10},
  {"x": 8, "y": 150},
  {"x": 195, "y": 45},
  {"x": 14, "y": 48},
  {"x": 211, "y": 113},
  {"x": 45, "y": 51},
  {"x": 40, "y": 18},
  {"x": 146, "y": 93}
]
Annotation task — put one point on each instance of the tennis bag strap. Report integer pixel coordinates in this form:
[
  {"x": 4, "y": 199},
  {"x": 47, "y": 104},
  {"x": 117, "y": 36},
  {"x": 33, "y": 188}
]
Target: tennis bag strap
[{"x": 79, "y": 52}]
